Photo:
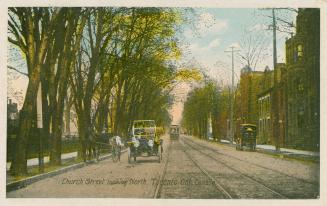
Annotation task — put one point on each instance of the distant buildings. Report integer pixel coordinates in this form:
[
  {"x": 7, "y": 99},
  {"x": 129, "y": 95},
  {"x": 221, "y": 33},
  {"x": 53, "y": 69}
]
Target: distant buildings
[
  {"x": 12, "y": 126},
  {"x": 249, "y": 88},
  {"x": 297, "y": 89},
  {"x": 12, "y": 118}
]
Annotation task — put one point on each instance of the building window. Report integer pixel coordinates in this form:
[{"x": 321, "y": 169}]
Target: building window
[
  {"x": 300, "y": 87},
  {"x": 300, "y": 121},
  {"x": 288, "y": 55},
  {"x": 299, "y": 51},
  {"x": 261, "y": 112}
]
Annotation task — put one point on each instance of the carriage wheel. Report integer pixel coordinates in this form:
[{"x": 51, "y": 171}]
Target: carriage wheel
[
  {"x": 129, "y": 153},
  {"x": 159, "y": 154},
  {"x": 114, "y": 154}
]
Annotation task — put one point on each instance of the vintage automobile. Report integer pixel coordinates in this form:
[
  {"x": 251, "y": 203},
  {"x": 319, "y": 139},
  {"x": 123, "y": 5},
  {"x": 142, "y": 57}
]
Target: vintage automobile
[
  {"x": 246, "y": 137},
  {"x": 144, "y": 142},
  {"x": 174, "y": 131}
]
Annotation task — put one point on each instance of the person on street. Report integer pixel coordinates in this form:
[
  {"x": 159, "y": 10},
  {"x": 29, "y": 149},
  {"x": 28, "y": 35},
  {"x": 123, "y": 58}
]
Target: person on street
[{"x": 116, "y": 144}]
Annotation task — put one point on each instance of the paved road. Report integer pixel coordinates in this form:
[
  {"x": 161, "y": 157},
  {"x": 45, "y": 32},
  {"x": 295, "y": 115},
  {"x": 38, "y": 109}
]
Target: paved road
[{"x": 190, "y": 168}]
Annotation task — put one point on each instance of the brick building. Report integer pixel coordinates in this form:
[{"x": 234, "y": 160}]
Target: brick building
[
  {"x": 297, "y": 88},
  {"x": 246, "y": 107},
  {"x": 302, "y": 59},
  {"x": 265, "y": 116},
  {"x": 248, "y": 89}
]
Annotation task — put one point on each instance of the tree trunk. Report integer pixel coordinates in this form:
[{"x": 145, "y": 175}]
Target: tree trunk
[
  {"x": 82, "y": 138},
  {"x": 19, "y": 164},
  {"x": 67, "y": 117},
  {"x": 117, "y": 114}
]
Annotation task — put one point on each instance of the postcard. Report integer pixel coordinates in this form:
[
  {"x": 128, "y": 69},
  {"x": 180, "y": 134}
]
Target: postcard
[{"x": 149, "y": 102}]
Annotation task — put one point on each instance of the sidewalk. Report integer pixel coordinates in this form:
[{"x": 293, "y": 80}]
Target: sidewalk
[
  {"x": 284, "y": 152},
  {"x": 289, "y": 151},
  {"x": 35, "y": 161}
]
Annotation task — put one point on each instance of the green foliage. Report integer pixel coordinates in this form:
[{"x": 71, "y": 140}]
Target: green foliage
[
  {"x": 189, "y": 74},
  {"x": 112, "y": 64},
  {"x": 201, "y": 104}
]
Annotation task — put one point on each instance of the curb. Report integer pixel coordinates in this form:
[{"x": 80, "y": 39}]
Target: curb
[{"x": 30, "y": 180}]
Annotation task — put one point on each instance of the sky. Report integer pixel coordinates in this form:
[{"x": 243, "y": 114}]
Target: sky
[
  {"x": 205, "y": 39},
  {"x": 221, "y": 28}
]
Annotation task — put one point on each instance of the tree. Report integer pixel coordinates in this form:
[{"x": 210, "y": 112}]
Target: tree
[
  {"x": 66, "y": 46},
  {"x": 200, "y": 106},
  {"x": 254, "y": 48},
  {"x": 31, "y": 30},
  {"x": 86, "y": 73},
  {"x": 114, "y": 62}
]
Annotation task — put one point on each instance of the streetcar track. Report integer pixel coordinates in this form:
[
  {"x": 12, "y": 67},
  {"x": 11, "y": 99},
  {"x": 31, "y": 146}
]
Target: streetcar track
[
  {"x": 252, "y": 163},
  {"x": 159, "y": 185},
  {"x": 162, "y": 176},
  {"x": 218, "y": 186},
  {"x": 239, "y": 172}
]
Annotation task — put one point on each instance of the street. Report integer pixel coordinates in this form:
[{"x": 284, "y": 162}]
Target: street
[{"x": 191, "y": 168}]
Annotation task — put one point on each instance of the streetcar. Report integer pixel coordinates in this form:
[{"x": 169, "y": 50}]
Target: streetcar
[
  {"x": 246, "y": 137},
  {"x": 144, "y": 141},
  {"x": 174, "y": 131}
]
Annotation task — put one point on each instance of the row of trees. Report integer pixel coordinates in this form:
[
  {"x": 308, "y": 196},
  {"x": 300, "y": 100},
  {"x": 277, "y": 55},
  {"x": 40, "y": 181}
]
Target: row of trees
[
  {"x": 200, "y": 106},
  {"x": 110, "y": 65},
  {"x": 207, "y": 105}
]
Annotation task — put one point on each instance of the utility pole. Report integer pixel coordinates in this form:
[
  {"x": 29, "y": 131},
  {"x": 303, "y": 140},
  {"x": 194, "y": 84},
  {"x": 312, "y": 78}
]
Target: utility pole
[
  {"x": 275, "y": 96},
  {"x": 231, "y": 115},
  {"x": 276, "y": 122}
]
